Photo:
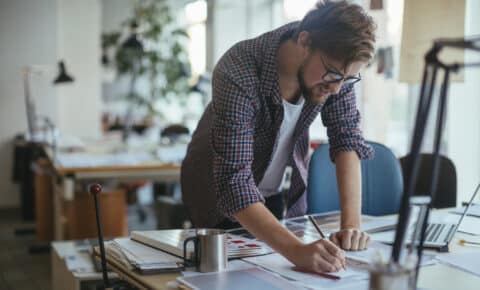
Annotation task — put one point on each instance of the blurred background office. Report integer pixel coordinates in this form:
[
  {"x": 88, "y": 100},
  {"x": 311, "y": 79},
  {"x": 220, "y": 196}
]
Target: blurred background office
[{"x": 140, "y": 81}]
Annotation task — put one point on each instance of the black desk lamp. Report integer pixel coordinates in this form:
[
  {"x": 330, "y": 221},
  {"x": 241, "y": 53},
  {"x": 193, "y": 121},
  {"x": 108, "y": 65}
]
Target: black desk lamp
[
  {"x": 432, "y": 67},
  {"x": 63, "y": 76}
]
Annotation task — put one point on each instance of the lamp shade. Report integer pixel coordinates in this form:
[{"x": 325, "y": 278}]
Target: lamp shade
[{"x": 63, "y": 76}]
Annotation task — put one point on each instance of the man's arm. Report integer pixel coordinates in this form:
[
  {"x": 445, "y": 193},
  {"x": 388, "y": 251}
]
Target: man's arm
[
  {"x": 342, "y": 119},
  {"x": 349, "y": 180}
]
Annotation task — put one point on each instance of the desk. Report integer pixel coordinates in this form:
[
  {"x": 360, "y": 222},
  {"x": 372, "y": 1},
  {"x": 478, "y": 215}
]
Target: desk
[
  {"x": 67, "y": 178},
  {"x": 438, "y": 276},
  {"x": 443, "y": 277},
  {"x": 65, "y": 278}
]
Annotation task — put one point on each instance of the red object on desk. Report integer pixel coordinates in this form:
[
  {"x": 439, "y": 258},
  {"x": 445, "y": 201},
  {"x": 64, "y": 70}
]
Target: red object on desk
[{"x": 324, "y": 275}]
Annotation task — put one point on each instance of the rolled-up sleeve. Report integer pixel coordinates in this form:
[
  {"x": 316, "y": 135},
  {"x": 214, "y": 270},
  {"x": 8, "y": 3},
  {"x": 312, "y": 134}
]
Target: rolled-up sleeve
[
  {"x": 342, "y": 119},
  {"x": 232, "y": 138}
]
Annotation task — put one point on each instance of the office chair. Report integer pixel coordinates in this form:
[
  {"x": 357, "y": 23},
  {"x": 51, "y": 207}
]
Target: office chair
[
  {"x": 382, "y": 183},
  {"x": 447, "y": 180}
]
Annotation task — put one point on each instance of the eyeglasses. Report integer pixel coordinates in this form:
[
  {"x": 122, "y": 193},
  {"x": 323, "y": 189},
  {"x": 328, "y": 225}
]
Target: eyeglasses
[{"x": 331, "y": 76}]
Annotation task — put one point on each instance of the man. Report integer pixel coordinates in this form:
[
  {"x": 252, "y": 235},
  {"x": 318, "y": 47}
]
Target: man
[{"x": 266, "y": 93}]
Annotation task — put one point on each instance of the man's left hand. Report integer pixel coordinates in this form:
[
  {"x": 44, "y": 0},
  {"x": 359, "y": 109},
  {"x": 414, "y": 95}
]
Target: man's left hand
[{"x": 351, "y": 239}]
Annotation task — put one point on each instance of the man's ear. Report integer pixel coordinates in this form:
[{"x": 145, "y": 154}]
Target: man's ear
[{"x": 303, "y": 41}]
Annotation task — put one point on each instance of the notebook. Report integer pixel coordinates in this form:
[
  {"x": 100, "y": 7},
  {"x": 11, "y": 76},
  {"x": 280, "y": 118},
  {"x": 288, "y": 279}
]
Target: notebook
[
  {"x": 142, "y": 258},
  {"x": 171, "y": 241}
]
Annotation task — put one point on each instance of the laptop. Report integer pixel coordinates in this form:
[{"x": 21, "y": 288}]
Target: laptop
[{"x": 438, "y": 234}]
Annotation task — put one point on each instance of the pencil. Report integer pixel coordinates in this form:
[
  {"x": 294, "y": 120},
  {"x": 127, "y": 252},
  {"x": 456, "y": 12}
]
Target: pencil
[
  {"x": 316, "y": 226},
  {"x": 321, "y": 233},
  {"x": 465, "y": 242}
]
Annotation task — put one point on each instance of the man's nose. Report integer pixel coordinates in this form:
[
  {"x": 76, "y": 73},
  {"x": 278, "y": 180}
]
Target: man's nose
[{"x": 334, "y": 88}]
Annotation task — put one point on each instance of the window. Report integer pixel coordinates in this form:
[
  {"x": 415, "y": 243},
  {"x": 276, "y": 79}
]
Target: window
[{"x": 196, "y": 17}]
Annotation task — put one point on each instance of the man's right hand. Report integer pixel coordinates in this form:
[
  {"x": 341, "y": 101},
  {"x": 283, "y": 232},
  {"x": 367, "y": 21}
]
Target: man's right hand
[{"x": 319, "y": 256}]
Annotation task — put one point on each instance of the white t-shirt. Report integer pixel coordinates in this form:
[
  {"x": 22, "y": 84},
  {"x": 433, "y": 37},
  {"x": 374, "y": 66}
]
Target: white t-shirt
[{"x": 272, "y": 180}]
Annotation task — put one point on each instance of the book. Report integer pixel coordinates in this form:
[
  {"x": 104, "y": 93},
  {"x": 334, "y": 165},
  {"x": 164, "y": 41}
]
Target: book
[
  {"x": 171, "y": 241},
  {"x": 136, "y": 256}
]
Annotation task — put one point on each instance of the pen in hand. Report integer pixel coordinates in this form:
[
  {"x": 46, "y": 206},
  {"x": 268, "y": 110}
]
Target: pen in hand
[{"x": 321, "y": 233}]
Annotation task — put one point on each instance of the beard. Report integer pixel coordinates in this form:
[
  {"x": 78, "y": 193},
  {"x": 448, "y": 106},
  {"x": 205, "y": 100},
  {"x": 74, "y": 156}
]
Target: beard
[{"x": 314, "y": 95}]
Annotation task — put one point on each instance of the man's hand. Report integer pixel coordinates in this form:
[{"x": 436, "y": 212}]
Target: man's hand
[
  {"x": 351, "y": 239},
  {"x": 319, "y": 256}
]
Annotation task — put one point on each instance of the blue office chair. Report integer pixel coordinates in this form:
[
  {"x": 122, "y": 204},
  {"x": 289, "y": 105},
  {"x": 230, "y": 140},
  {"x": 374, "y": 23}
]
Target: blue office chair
[{"x": 382, "y": 182}]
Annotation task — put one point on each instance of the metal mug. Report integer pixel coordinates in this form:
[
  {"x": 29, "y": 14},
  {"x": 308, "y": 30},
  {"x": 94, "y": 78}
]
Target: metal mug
[{"x": 210, "y": 250}]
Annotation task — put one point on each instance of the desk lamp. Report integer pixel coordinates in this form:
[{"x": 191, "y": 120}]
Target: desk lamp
[
  {"x": 32, "y": 118},
  {"x": 432, "y": 66}
]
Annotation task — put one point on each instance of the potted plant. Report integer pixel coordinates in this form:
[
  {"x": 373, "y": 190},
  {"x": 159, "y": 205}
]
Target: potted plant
[{"x": 152, "y": 56}]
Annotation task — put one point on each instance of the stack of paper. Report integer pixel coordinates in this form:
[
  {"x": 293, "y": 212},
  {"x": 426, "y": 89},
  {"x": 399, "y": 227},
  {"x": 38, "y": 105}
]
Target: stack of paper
[{"x": 134, "y": 255}]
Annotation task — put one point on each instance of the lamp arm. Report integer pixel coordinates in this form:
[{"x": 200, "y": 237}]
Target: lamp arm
[
  {"x": 472, "y": 43},
  {"x": 29, "y": 102}
]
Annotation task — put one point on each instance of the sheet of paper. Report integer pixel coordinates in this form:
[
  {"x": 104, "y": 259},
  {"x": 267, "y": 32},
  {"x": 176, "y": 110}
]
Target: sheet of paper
[
  {"x": 80, "y": 263},
  {"x": 474, "y": 210},
  {"x": 253, "y": 278},
  {"x": 469, "y": 225},
  {"x": 375, "y": 251},
  {"x": 278, "y": 264},
  {"x": 232, "y": 265},
  {"x": 468, "y": 262}
]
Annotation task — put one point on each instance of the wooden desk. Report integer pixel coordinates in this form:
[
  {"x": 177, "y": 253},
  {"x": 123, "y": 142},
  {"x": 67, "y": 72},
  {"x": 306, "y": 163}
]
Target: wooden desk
[
  {"x": 67, "y": 178},
  {"x": 438, "y": 276}
]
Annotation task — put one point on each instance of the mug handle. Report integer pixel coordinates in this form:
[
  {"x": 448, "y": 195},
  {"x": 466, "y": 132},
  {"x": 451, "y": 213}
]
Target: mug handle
[{"x": 194, "y": 261}]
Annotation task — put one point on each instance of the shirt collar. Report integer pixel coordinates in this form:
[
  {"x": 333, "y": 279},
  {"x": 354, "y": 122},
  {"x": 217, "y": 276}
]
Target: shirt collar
[{"x": 273, "y": 39}]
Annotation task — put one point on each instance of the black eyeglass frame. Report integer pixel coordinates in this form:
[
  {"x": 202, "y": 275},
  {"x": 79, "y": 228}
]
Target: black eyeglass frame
[{"x": 338, "y": 77}]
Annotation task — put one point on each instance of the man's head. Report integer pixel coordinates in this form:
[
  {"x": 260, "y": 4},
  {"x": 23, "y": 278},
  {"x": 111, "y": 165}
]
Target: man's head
[{"x": 336, "y": 39}]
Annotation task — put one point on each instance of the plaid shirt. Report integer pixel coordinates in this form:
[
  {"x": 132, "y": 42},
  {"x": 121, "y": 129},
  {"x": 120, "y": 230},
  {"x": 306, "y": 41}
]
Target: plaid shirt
[{"x": 236, "y": 136}]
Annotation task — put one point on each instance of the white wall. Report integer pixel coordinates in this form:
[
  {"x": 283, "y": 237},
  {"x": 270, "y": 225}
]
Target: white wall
[
  {"x": 463, "y": 123},
  {"x": 42, "y": 32},
  {"x": 78, "y": 42},
  {"x": 27, "y": 36}
]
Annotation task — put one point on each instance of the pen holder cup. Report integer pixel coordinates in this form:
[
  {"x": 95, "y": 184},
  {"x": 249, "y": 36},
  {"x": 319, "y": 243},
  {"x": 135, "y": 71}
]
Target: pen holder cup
[
  {"x": 392, "y": 277},
  {"x": 209, "y": 251}
]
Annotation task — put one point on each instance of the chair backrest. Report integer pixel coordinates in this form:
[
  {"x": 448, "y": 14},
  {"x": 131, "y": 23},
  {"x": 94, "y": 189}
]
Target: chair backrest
[
  {"x": 382, "y": 182},
  {"x": 447, "y": 180}
]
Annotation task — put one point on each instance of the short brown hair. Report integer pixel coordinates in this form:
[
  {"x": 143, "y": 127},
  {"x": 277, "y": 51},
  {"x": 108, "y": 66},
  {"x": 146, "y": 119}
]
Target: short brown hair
[{"x": 341, "y": 30}]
